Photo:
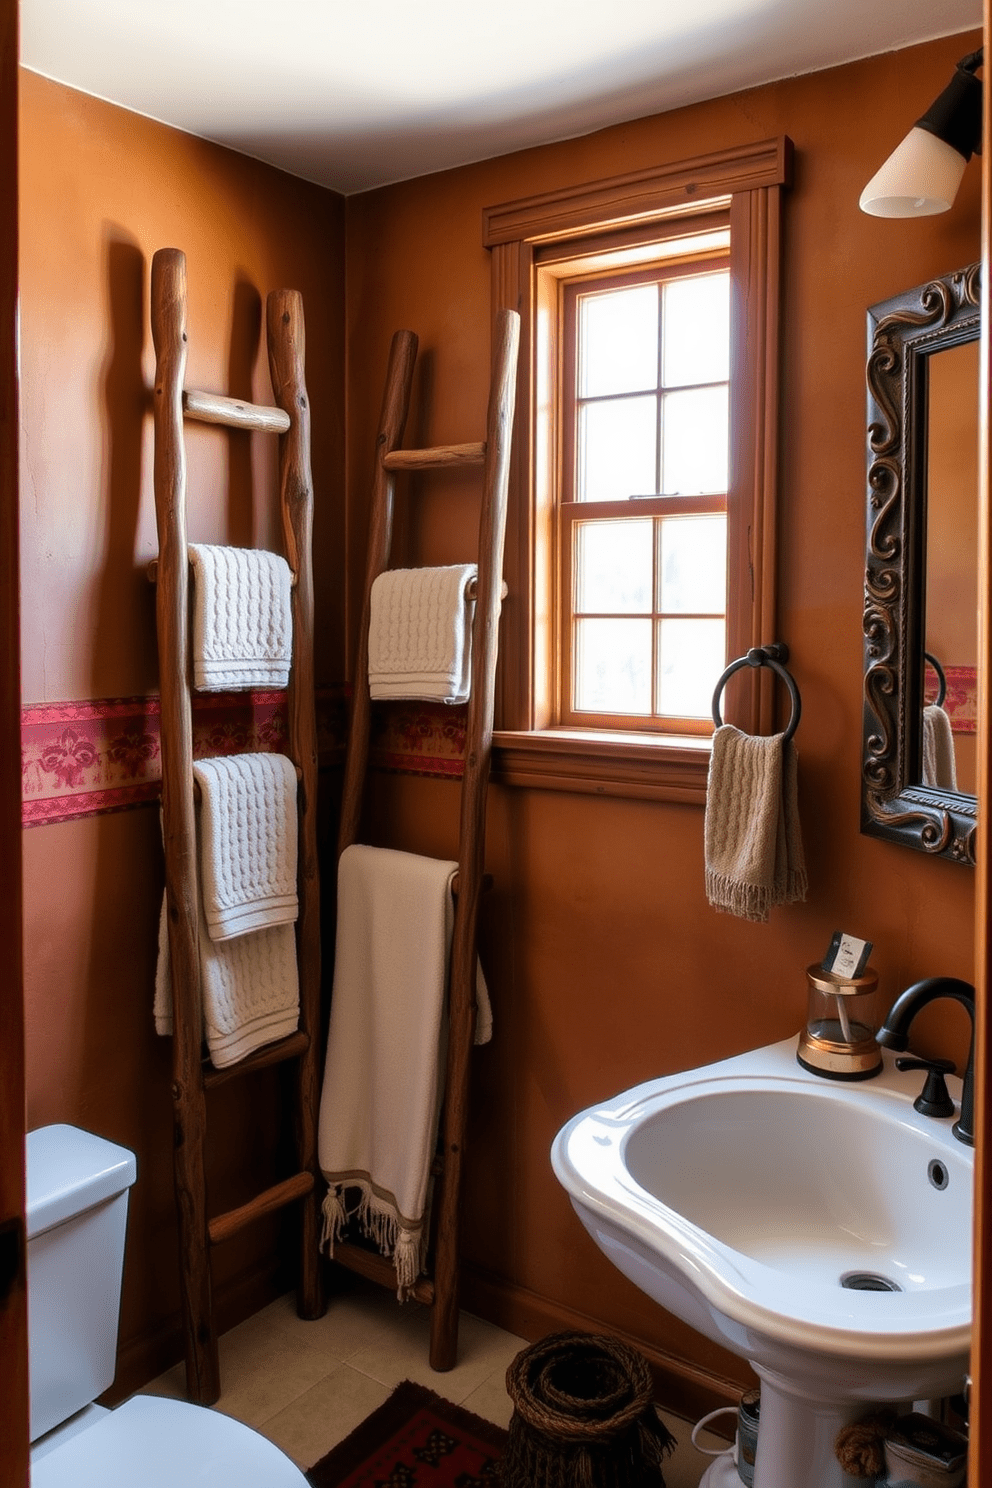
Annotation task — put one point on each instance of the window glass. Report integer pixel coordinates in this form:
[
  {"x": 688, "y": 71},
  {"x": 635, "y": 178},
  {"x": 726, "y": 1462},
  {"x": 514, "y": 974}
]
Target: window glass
[
  {"x": 694, "y": 441},
  {"x": 617, "y": 449},
  {"x": 697, "y": 330},
  {"x": 690, "y": 660},
  {"x": 693, "y": 566},
  {"x": 618, "y": 341},
  {"x": 643, "y": 623},
  {"x": 613, "y": 567},
  {"x": 613, "y": 666}
]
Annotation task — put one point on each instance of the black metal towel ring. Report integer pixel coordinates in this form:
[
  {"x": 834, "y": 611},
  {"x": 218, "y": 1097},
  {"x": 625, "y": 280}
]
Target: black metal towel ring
[
  {"x": 770, "y": 656},
  {"x": 941, "y": 679}
]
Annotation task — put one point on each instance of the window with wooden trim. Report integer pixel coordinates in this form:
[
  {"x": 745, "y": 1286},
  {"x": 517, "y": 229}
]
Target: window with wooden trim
[
  {"x": 641, "y": 537},
  {"x": 641, "y": 514}
]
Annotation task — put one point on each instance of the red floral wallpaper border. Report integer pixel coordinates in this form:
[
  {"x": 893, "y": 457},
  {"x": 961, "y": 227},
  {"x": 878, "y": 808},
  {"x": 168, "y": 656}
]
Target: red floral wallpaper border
[
  {"x": 419, "y": 738},
  {"x": 86, "y": 758},
  {"x": 83, "y": 758},
  {"x": 961, "y": 702}
]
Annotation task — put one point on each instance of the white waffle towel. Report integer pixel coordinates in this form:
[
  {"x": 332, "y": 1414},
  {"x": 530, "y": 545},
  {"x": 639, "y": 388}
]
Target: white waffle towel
[
  {"x": 248, "y": 842},
  {"x": 420, "y": 634},
  {"x": 250, "y": 990},
  {"x": 242, "y": 619},
  {"x": 385, "y": 1049}
]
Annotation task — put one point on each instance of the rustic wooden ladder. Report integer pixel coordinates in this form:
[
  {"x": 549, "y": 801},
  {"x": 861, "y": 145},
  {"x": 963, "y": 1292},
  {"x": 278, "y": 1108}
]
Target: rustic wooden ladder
[
  {"x": 440, "y": 1290},
  {"x": 192, "y": 1076}
]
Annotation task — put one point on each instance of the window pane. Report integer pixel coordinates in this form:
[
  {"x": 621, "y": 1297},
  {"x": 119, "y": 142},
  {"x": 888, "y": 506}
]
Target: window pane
[
  {"x": 693, "y": 567},
  {"x": 696, "y": 320},
  {"x": 694, "y": 442},
  {"x": 613, "y": 566},
  {"x": 617, "y": 449},
  {"x": 618, "y": 341},
  {"x": 691, "y": 656},
  {"x": 613, "y": 666}
]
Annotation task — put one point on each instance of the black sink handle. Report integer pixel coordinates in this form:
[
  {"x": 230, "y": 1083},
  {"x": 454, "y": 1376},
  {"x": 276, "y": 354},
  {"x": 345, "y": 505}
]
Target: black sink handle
[{"x": 935, "y": 1100}]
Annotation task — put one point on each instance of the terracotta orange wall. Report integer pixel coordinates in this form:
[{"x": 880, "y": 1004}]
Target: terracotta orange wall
[
  {"x": 101, "y": 189},
  {"x": 606, "y": 964}
]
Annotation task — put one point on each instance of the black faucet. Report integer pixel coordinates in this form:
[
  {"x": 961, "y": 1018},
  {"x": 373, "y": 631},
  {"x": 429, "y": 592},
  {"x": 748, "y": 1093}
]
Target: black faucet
[{"x": 894, "y": 1034}]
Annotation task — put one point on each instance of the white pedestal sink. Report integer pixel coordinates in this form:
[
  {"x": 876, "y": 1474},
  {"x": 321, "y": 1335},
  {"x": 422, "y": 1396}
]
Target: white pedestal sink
[{"x": 763, "y": 1205}]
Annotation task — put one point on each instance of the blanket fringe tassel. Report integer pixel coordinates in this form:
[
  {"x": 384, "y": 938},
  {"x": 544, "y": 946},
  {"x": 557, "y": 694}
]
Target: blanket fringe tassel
[{"x": 377, "y": 1219}]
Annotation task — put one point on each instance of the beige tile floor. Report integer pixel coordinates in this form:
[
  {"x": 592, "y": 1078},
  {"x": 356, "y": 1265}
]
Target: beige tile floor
[{"x": 307, "y": 1385}]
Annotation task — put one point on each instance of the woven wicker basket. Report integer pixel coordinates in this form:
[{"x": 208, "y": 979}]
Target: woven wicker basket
[{"x": 583, "y": 1417}]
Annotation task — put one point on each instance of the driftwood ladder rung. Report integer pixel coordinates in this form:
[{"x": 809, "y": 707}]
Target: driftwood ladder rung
[
  {"x": 191, "y": 1078},
  {"x": 223, "y": 1226},
  {"x": 379, "y": 1268},
  {"x": 292, "y": 1047},
  {"x": 233, "y": 413},
  {"x": 442, "y": 456},
  {"x": 152, "y": 569},
  {"x": 440, "y": 1291}
]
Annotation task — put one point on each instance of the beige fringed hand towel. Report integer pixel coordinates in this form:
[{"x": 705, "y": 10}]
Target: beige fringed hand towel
[
  {"x": 385, "y": 1049},
  {"x": 754, "y": 850}
]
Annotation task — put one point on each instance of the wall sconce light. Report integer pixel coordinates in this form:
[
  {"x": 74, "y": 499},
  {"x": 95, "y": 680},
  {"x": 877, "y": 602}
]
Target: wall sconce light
[{"x": 922, "y": 174}]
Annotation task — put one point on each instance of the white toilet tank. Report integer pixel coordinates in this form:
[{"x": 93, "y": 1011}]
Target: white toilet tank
[{"x": 77, "y": 1186}]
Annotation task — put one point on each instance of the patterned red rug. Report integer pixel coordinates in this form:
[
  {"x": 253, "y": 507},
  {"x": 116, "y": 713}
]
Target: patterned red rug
[{"x": 414, "y": 1440}]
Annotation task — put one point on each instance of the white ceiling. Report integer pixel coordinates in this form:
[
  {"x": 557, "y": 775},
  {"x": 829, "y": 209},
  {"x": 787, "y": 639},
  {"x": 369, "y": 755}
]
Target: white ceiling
[{"x": 354, "y": 95}]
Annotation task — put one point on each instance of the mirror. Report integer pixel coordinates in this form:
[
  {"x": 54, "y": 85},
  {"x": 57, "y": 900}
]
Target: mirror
[{"x": 920, "y": 616}]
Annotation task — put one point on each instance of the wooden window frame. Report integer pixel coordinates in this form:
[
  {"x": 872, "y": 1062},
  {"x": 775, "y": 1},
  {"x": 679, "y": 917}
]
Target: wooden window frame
[
  {"x": 569, "y": 511},
  {"x": 746, "y": 184}
]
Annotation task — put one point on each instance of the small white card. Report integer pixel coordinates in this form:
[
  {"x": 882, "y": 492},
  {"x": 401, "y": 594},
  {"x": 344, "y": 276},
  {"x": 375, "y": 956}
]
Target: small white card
[{"x": 847, "y": 956}]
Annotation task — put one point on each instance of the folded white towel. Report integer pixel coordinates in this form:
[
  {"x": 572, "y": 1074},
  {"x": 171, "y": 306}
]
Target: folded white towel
[
  {"x": 242, "y": 619},
  {"x": 420, "y": 634},
  {"x": 939, "y": 761},
  {"x": 250, "y": 990},
  {"x": 385, "y": 1049},
  {"x": 248, "y": 842}
]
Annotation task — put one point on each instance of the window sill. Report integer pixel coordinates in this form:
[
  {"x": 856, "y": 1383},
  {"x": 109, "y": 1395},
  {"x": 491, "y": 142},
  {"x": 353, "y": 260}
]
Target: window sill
[{"x": 635, "y": 766}]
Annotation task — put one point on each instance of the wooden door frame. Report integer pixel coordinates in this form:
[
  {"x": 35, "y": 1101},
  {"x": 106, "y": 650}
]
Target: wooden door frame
[
  {"x": 980, "y": 1464},
  {"x": 13, "y": 1298}
]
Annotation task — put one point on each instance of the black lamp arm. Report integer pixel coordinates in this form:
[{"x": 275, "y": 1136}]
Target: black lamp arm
[{"x": 955, "y": 116}]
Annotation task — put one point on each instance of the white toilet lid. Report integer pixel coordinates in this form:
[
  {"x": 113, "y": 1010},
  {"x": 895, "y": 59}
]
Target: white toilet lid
[{"x": 150, "y": 1442}]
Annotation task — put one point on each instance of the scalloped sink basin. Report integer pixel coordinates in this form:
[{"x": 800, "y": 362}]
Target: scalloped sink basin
[{"x": 819, "y": 1229}]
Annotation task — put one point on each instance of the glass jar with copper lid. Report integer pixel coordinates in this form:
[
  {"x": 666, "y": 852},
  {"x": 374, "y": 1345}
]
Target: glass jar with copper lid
[{"x": 842, "y": 1017}]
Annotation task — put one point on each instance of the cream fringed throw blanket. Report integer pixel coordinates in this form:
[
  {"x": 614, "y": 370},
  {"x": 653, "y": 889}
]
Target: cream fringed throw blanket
[
  {"x": 754, "y": 850},
  {"x": 385, "y": 1049}
]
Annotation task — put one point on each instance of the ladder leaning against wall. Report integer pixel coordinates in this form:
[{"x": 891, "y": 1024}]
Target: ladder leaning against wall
[
  {"x": 192, "y": 1075},
  {"x": 439, "y": 1290}
]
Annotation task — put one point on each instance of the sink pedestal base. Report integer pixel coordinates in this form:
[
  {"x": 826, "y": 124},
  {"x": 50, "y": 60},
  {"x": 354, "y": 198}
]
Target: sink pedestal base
[{"x": 796, "y": 1437}]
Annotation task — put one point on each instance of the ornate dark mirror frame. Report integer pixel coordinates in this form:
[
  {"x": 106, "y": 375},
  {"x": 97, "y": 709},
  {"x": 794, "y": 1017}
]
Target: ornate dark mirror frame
[{"x": 902, "y": 334}]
